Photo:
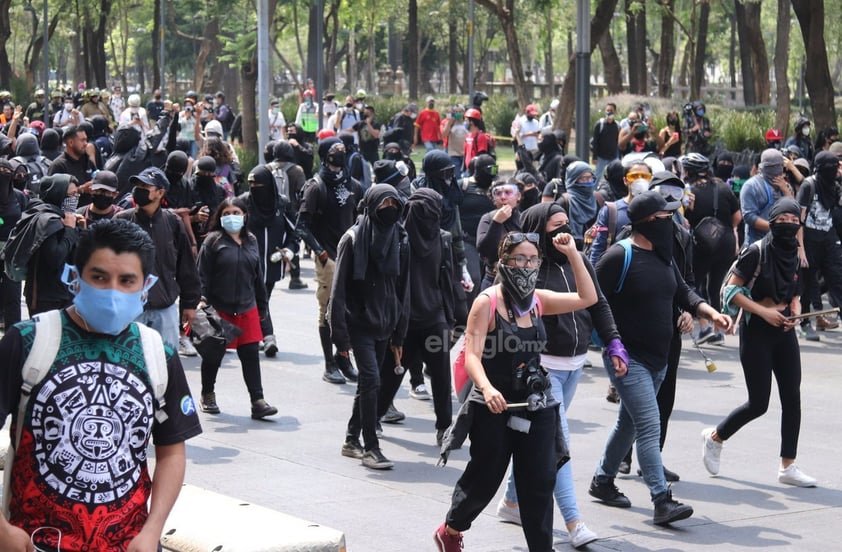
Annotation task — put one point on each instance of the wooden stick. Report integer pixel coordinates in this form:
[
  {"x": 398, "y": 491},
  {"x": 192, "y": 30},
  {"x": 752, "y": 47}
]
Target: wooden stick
[{"x": 834, "y": 310}]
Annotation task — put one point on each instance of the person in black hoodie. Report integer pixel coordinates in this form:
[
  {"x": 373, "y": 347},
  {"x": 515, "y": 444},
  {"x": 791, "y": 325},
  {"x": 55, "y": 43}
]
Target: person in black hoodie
[
  {"x": 369, "y": 310},
  {"x": 207, "y": 194},
  {"x": 232, "y": 282},
  {"x": 276, "y": 239},
  {"x": 568, "y": 336},
  {"x": 495, "y": 224},
  {"x": 51, "y": 144},
  {"x": 13, "y": 203},
  {"x": 476, "y": 201},
  {"x": 54, "y": 217},
  {"x": 328, "y": 209},
  {"x": 431, "y": 318}
]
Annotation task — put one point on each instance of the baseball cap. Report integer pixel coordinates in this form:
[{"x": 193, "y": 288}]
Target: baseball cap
[
  {"x": 835, "y": 147},
  {"x": 105, "y": 180},
  {"x": 151, "y": 176},
  {"x": 771, "y": 162},
  {"x": 213, "y": 127},
  {"x": 648, "y": 203},
  {"x": 430, "y": 99},
  {"x": 531, "y": 109}
]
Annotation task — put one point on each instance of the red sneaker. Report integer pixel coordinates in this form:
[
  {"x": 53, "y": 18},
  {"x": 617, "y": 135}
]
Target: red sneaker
[{"x": 445, "y": 542}]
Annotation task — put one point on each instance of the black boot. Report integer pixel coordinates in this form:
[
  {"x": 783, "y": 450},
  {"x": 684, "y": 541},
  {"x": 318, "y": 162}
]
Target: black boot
[
  {"x": 331, "y": 374},
  {"x": 668, "y": 510},
  {"x": 346, "y": 367},
  {"x": 295, "y": 281}
]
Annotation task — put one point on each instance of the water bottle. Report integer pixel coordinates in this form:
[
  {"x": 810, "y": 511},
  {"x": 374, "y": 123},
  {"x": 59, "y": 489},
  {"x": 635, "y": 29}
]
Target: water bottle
[{"x": 685, "y": 198}]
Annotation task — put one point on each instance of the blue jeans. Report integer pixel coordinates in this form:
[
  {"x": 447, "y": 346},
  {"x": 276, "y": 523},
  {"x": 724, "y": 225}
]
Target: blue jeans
[
  {"x": 165, "y": 321},
  {"x": 458, "y": 161},
  {"x": 430, "y": 146},
  {"x": 564, "y": 383},
  {"x": 600, "y": 168},
  {"x": 639, "y": 421}
]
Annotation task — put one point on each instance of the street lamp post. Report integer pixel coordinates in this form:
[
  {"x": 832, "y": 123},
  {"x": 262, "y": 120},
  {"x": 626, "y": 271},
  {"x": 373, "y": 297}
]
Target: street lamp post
[{"x": 583, "y": 75}]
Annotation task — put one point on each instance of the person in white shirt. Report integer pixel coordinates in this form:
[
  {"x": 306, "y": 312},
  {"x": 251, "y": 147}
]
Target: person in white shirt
[
  {"x": 116, "y": 102},
  {"x": 529, "y": 130},
  {"x": 134, "y": 112},
  {"x": 67, "y": 116},
  {"x": 277, "y": 124},
  {"x": 548, "y": 118}
]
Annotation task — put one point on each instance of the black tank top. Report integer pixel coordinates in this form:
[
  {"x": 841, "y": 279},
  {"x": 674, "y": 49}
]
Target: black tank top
[{"x": 507, "y": 347}]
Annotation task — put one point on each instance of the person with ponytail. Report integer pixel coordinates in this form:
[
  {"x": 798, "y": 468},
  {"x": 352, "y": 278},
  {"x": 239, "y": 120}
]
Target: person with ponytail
[
  {"x": 764, "y": 288},
  {"x": 504, "y": 341},
  {"x": 232, "y": 283}
]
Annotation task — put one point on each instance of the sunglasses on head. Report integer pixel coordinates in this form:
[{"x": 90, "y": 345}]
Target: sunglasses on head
[{"x": 515, "y": 238}]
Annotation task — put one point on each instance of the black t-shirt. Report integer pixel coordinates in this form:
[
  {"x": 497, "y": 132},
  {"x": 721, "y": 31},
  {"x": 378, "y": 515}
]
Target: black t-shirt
[
  {"x": 331, "y": 211},
  {"x": 605, "y": 138},
  {"x": 765, "y": 286},
  {"x": 643, "y": 309},
  {"x": 703, "y": 206},
  {"x": 81, "y": 464},
  {"x": 369, "y": 145},
  {"x": 79, "y": 168}
]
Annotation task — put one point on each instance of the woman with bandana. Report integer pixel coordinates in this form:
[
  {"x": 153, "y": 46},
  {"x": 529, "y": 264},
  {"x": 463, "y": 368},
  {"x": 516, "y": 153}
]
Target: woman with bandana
[
  {"x": 232, "y": 283},
  {"x": 504, "y": 338},
  {"x": 568, "y": 336},
  {"x": 369, "y": 310},
  {"x": 765, "y": 288}
]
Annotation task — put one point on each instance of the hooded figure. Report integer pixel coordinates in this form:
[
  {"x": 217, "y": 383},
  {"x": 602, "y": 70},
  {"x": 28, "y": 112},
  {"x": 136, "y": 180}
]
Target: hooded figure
[
  {"x": 551, "y": 155},
  {"x": 28, "y": 153},
  {"x": 438, "y": 175},
  {"x": 826, "y": 168},
  {"x": 51, "y": 144},
  {"x": 180, "y": 193},
  {"x": 377, "y": 234},
  {"x": 613, "y": 186},
  {"x": 582, "y": 204}
]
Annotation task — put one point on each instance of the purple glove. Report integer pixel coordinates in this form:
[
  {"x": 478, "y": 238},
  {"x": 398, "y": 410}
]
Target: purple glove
[{"x": 615, "y": 349}]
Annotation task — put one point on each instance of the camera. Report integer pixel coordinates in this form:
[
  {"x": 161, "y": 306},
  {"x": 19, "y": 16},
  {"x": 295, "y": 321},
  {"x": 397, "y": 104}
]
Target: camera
[
  {"x": 188, "y": 109},
  {"x": 530, "y": 378}
]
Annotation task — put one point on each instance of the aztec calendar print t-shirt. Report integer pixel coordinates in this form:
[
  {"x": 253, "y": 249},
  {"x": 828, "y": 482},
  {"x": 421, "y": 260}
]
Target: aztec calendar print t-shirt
[{"x": 81, "y": 464}]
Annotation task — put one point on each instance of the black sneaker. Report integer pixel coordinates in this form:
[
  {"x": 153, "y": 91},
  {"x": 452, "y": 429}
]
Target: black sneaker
[
  {"x": 260, "y": 409},
  {"x": 332, "y": 374},
  {"x": 209, "y": 405},
  {"x": 375, "y": 460},
  {"x": 352, "y": 448},
  {"x": 668, "y": 510},
  {"x": 346, "y": 367},
  {"x": 608, "y": 493},
  {"x": 297, "y": 283},
  {"x": 669, "y": 475}
]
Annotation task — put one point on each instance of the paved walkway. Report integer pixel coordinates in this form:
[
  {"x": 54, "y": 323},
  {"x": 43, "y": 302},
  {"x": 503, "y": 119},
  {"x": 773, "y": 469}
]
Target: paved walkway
[{"x": 292, "y": 463}]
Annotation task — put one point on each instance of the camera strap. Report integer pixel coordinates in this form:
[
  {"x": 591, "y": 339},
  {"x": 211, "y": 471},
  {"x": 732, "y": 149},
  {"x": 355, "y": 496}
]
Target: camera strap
[{"x": 513, "y": 320}]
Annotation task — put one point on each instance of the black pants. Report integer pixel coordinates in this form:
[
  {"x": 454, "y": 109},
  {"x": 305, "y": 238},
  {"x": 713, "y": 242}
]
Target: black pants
[
  {"x": 534, "y": 464},
  {"x": 767, "y": 350},
  {"x": 666, "y": 393},
  {"x": 429, "y": 346},
  {"x": 709, "y": 271},
  {"x": 9, "y": 300},
  {"x": 823, "y": 256},
  {"x": 266, "y": 325},
  {"x": 369, "y": 353},
  {"x": 250, "y": 361}
]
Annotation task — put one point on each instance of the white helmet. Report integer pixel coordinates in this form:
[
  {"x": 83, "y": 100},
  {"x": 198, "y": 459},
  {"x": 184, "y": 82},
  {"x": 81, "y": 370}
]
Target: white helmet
[{"x": 134, "y": 100}]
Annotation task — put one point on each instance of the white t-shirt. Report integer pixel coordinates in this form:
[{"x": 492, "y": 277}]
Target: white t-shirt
[
  {"x": 566, "y": 364},
  {"x": 276, "y": 125},
  {"x": 526, "y": 127}
]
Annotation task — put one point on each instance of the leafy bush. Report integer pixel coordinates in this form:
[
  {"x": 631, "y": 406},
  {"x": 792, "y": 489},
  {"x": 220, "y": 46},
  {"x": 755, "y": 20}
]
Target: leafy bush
[
  {"x": 740, "y": 130},
  {"x": 498, "y": 113}
]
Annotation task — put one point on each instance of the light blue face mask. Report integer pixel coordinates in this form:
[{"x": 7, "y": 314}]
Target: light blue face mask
[
  {"x": 107, "y": 311},
  {"x": 232, "y": 223}
]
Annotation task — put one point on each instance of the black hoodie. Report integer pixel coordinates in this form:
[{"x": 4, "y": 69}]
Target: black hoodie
[{"x": 567, "y": 334}]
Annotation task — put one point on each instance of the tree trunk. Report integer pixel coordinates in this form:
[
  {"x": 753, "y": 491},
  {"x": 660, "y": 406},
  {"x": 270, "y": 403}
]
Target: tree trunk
[
  {"x": 156, "y": 46},
  {"x": 636, "y": 41},
  {"x": 313, "y": 47},
  {"x": 781, "y": 65},
  {"x": 752, "y": 46},
  {"x": 33, "y": 63},
  {"x": 505, "y": 15},
  {"x": 611, "y": 62},
  {"x": 567, "y": 99},
  {"x": 5, "y": 34},
  {"x": 549, "y": 62},
  {"x": 746, "y": 66},
  {"x": 667, "y": 59},
  {"x": 412, "y": 56},
  {"x": 452, "y": 56},
  {"x": 248, "y": 77},
  {"x": 698, "y": 76},
  {"x": 810, "y": 14},
  {"x": 209, "y": 37}
]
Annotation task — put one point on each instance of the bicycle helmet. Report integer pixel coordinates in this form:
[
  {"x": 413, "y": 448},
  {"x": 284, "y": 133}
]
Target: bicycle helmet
[{"x": 694, "y": 163}]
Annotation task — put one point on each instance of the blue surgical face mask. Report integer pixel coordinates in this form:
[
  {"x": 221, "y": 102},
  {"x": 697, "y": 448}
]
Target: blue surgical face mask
[
  {"x": 700, "y": 112},
  {"x": 107, "y": 311},
  {"x": 232, "y": 223}
]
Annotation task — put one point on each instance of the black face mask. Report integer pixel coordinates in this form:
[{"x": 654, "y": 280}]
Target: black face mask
[
  {"x": 723, "y": 171},
  {"x": 103, "y": 202},
  {"x": 552, "y": 253},
  {"x": 204, "y": 181},
  {"x": 141, "y": 196},
  {"x": 783, "y": 234},
  {"x": 659, "y": 232},
  {"x": 387, "y": 216},
  {"x": 827, "y": 174}
]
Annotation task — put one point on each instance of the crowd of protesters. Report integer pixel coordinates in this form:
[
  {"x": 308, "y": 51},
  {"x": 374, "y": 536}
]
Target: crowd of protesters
[{"x": 520, "y": 274}]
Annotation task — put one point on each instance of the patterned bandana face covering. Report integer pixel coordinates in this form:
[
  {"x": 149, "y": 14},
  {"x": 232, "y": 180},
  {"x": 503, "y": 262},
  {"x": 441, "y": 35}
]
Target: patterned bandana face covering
[{"x": 519, "y": 285}]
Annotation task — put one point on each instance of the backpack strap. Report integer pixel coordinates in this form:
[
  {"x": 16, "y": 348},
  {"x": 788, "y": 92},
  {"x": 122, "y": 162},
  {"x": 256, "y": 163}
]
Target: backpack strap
[
  {"x": 38, "y": 362},
  {"x": 627, "y": 247},
  {"x": 612, "y": 222},
  {"x": 156, "y": 365}
]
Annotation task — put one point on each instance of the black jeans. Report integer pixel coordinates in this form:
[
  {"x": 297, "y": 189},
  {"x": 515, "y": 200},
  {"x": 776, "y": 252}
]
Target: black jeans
[
  {"x": 823, "y": 256},
  {"x": 429, "y": 346},
  {"x": 767, "y": 350},
  {"x": 369, "y": 353},
  {"x": 9, "y": 300},
  {"x": 534, "y": 465},
  {"x": 709, "y": 271}
]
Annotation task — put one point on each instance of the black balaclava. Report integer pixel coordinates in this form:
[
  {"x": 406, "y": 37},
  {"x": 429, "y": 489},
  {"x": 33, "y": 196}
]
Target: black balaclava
[
  {"x": 485, "y": 170},
  {"x": 784, "y": 245},
  {"x": 535, "y": 220},
  {"x": 724, "y": 166},
  {"x": 826, "y": 167},
  {"x": 7, "y": 194},
  {"x": 176, "y": 166},
  {"x": 615, "y": 175},
  {"x": 377, "y": 240},
  {"x": 204, "y": 181},
  {"x": 438, "y": 172},
  {"x": 262, "y": 201},
  {"x": 422, "y": 222},
  {"x": 332, "y": 152}
]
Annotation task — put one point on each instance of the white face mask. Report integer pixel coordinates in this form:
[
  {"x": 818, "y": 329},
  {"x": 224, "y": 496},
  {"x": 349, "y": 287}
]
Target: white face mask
[{"x": 805, "y": 130}]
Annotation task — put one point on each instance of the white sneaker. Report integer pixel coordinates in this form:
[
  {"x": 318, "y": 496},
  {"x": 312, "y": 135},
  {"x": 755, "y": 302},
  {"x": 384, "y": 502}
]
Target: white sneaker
[
  {"x": 508, "y": 514},
  {"x": 711, "y": 450},
  {"x": 185, "y": 347},
  {"x": 420, "y": 392},
  {"x": 581, "y": 535},
  {"x": 791, "y": 475}
]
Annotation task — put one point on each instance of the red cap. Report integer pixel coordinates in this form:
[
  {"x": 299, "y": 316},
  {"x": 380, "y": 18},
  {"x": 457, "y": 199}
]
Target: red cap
[
  {"x": 774, "y": 135},
  {"x": 531, "y": 109},
  {"x": 325, "y": 133}
]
